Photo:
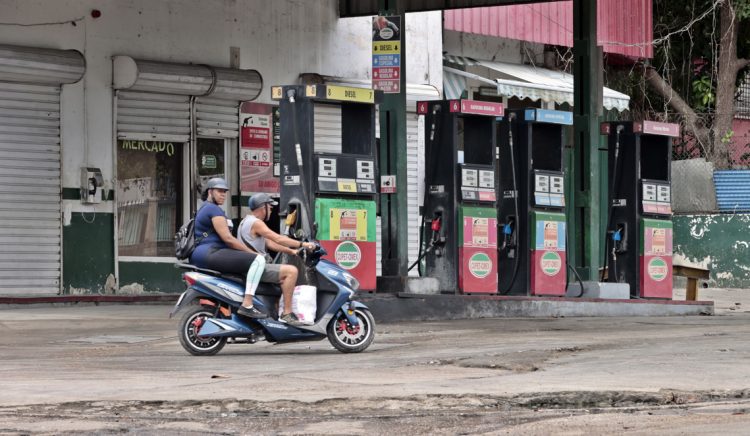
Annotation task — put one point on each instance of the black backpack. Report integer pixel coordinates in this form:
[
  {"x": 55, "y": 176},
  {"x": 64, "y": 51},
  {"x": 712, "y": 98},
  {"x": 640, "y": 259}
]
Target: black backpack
[{"x": 184, "y": 240}]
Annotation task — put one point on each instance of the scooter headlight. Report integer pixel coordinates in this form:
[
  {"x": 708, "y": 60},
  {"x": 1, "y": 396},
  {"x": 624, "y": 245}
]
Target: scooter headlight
[{"x": 351, "y": 281}]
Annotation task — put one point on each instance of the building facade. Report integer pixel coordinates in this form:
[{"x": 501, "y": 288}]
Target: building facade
[{"x": 112, "y": 113}]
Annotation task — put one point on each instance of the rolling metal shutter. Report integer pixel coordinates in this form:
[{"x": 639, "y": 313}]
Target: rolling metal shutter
[
  {"x": 327, "y": 128},
  {"x": 145, "y": 116},
  {"x": 414, "y": 189},
  {"x": 216, "y": 117},
  {"x": 30, "y": 182},
  {"x": 30, "y": 218},
  {"x": 217, "y": 114},
  {"x": 414, "y": 178},
  {"x": 154, "y": 99}
]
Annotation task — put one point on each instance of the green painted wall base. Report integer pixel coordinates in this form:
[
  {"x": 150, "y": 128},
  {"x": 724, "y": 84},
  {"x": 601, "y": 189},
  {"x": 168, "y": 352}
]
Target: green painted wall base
[
  {"x": 150, "y": 277},
  {"x": 88, "y": 253},
  {"x": 720, "y": 240}
]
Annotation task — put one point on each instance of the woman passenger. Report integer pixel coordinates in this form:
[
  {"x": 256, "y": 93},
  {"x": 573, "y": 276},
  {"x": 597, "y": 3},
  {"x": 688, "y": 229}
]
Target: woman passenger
[{"x": 218, "y": 250}]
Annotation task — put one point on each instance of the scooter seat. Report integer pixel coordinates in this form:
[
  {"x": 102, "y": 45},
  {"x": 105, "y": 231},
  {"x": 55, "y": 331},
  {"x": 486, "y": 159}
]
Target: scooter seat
[{"x": 269, "y": 289}]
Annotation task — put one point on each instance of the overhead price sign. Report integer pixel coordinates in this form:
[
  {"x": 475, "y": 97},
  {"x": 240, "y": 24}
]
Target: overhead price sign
[{"x": 386, "y": 54}]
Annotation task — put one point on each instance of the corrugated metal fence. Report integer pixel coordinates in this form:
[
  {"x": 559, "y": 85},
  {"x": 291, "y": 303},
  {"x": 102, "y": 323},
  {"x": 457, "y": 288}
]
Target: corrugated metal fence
[{"x": 732, "y": 190}]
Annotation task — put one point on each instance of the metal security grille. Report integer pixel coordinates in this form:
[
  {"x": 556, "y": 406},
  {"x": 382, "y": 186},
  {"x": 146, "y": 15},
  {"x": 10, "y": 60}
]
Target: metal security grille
[
  {"x": 30, "y": 215},
  {"x": 143, "y": 116},
  {"x": 327, "y": 128},
  {"x": 216, "y": 117}
]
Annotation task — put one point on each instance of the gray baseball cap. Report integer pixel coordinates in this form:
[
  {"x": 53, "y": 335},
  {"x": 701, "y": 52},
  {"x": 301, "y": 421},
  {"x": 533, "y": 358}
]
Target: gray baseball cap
[{"x": 259, "y": 199}]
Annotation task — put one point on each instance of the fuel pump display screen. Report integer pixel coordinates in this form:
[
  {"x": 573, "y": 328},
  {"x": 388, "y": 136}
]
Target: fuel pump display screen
[
  {"x": 549, "y": 189},
  {"x": 341, "y": 173},
  {"x": 477, "y": 183},
  {"x": 657, "y": 197}
]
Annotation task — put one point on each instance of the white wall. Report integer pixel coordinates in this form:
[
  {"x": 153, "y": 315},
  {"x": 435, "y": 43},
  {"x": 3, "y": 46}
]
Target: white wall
[
  {"x": 491, "y": 48},
  {"x": 279, "y": 38}
]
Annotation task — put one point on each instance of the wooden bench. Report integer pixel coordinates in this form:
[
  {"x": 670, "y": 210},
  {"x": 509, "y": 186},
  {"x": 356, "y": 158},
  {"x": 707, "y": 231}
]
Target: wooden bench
[{"x": 693, "y": 274}]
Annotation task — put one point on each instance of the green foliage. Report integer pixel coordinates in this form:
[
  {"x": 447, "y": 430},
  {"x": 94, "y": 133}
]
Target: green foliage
[
  {"x": 703, "y": 92},
  {"x": 742, "y": 8},
  {"x": 727, "y": 137},
  {"x": 683, "y": 57}
]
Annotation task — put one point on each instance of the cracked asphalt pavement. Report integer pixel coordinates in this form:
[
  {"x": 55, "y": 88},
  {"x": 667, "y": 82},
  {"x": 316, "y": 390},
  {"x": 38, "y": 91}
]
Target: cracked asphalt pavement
[{"x": 119, "y": 369}]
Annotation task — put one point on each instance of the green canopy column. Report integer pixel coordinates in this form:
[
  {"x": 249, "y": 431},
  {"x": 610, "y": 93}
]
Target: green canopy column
[
  {"x": 585, "y": 219},
  {"x": 392, "y": 155}
]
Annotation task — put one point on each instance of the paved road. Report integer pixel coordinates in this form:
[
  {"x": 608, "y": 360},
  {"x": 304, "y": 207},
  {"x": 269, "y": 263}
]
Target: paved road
[{"x": 108, "y": 369}]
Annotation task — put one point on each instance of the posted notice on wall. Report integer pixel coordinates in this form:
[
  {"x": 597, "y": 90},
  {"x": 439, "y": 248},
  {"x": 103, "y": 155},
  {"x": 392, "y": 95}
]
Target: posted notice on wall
[{"x": 256, "y": 150}]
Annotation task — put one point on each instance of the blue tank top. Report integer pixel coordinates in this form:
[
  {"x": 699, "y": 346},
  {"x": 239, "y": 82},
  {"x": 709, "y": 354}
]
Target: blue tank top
[{"x": 206, "y": 238}]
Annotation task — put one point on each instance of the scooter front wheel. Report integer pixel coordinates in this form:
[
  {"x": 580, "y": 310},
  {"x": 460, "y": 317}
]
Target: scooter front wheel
[
  {"x": 188, "y": 329},
  {"x": 349, "y": 338}
]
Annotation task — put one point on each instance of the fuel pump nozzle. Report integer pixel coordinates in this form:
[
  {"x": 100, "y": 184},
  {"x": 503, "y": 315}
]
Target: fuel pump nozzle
[
  {"x": 437, "y": 239},
  {"x": 617, "y": 235},
  {"x": 438, "y": 233},
  {"x": 509, "y": 237}
]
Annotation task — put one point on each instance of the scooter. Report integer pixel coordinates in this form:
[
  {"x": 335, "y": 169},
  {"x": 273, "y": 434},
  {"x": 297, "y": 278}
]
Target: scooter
[{"x": 212, "y": 299}]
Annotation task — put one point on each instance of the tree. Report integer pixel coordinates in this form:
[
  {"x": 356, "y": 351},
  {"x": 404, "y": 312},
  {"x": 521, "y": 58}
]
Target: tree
[{"x": 713, "y": 91}]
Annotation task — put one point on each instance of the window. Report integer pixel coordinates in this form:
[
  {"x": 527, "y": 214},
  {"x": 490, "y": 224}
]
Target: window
[
  {"x": 210, "y": 163},
  {"x": 742, "y": 101},
  {"x": 149, "y": 196}
]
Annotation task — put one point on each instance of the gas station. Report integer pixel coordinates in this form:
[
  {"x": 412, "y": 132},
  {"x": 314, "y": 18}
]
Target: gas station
[
  {"x": 498, "y": 215},
  {"x": 512, "y": 205}
]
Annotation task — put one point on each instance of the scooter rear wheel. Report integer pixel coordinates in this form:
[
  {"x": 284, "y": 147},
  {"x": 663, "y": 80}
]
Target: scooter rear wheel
[
  {"x": 188, "y": 333},
  {"x": 348, "y": 338}
]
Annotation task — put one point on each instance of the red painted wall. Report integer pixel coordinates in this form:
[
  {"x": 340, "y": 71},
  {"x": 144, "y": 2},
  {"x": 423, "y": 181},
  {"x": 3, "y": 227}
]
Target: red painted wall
[
  {"x": 740, "y": 146},
  {"x": 624, "y": 26}
]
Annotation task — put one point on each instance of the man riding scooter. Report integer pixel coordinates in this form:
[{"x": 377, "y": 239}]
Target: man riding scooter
[{"x": 254, "y": 232}]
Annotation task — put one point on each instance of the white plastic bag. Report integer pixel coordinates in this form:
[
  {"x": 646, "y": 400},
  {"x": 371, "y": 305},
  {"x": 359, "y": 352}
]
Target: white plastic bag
[{"x": 304, "y": 304}]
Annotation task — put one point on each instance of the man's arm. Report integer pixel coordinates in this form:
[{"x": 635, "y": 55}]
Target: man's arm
[
  {"x": 270, "y": 245},
  {"x": 261, "y": 229}
]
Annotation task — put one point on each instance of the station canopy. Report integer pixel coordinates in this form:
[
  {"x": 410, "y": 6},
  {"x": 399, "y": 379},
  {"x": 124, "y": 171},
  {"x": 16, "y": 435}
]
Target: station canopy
[
  {"x": 356, "y": 8},
  {"x": 517, "y": 80}
]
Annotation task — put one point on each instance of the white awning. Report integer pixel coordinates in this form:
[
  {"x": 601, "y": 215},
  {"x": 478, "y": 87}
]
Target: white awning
[{"x": 527, "y": 81}]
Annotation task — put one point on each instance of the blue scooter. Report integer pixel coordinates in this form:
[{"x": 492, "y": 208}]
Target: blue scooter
[{"x": 212, "y": 299}]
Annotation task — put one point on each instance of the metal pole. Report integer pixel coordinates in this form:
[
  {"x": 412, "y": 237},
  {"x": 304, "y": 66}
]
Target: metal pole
[
  {"x": 586, "y": 164},
  {"x": 392, "y": 157}
]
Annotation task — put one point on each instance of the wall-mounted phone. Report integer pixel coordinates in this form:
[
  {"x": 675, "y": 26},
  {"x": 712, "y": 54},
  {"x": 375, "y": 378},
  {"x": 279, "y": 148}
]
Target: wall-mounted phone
[{"x": 91, "y": 185}]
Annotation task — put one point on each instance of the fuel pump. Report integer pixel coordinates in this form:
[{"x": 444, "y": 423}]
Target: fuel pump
[
  {"x": 459, "y": 207},
  {"x": 638, "y": 244},
  {"x": 531, "y": 255},
  {"x": 328, "y": 171}
]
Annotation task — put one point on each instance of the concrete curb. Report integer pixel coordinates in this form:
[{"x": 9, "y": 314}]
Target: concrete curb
[
  {"x": 415, "y": 307},
  {"x": 75, "y": 299},
  {"x": 392, "y": 307}
]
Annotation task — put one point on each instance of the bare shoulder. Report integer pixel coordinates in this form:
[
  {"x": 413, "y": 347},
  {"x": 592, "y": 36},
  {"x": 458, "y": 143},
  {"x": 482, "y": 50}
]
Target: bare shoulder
[{"x": 260, "y": 228}]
